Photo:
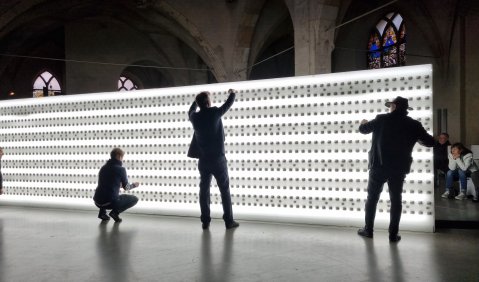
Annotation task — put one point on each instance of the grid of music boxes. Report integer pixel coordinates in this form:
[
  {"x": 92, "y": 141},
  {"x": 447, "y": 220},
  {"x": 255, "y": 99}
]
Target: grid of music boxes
[{"x": 293, "y": 147}]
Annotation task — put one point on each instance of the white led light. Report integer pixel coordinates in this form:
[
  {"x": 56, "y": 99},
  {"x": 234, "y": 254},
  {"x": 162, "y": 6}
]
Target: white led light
[{"x": 293, "y": 147}]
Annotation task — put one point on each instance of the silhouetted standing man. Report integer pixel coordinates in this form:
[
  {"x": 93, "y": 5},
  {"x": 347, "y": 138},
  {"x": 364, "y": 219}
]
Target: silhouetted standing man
[
  {"x": 208, "y": 146},
  {"x": 394, "y": 136}
]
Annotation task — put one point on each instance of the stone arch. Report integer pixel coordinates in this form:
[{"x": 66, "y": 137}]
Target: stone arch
[
  {"x": 36, "y": 41},
  {"x": 122, "y": 12},
  {"x": 263, "y": 22},
  {"x": 199, "y": 42},
  {"x": 245, "y": 36}
]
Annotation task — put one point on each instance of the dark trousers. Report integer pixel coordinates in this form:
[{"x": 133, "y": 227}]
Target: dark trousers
[
  {"x": 219, "y": 169},
  {"x": 395, "y": 180},
  {"x": 440, "y": 167},
  {"x": 119, "y": 205}
]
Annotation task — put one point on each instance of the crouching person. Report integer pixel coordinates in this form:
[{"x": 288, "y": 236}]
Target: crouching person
[{"x": 107, "y": 196}]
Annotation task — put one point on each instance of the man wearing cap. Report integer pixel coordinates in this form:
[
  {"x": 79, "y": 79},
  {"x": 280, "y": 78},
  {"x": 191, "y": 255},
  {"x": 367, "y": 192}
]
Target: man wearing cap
[{"x": 394, "y": 136}]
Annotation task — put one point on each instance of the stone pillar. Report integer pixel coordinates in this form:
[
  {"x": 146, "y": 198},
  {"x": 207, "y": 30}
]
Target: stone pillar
[
  {"x": 314, "y": 22},
  {"x": 471, "y": 83}
]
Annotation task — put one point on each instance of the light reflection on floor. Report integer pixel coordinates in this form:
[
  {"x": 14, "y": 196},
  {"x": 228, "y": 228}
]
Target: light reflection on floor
[{"x": 62, "y": 245}]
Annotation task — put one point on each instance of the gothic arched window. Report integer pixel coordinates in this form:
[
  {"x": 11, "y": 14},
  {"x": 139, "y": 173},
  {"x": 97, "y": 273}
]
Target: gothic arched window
[
  {"x": 46, "y": 85},
  {"x": 126, "y": 84},
  {"x": 387, "y": 43}
]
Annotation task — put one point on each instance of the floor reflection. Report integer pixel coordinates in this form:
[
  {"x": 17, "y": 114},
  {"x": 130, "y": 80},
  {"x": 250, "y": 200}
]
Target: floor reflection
[
  {"x": 58, "y": 245},
  {"x": 221, "y": 270},
  {"x": 375, "y": 271},
  {"x": 372, "y": 260},
  {"x": 396, "y": 264},
  {"x": 113, "y": 250}
]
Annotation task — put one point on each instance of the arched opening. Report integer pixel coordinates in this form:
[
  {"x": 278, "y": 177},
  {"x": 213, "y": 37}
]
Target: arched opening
[
  {"x": 387, "y": 43},
  {"x": 126, "y": 84},
  {"x": 93, "y": 43},
  {"x": 46, "y": 85},
  {"x": 24, "y": 70},
  {"x": 274, "y": 34},
  {"x": 278, "y": 66}
]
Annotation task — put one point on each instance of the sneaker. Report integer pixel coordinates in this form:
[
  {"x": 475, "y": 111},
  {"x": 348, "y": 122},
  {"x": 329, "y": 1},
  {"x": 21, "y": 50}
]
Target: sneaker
[
  {"x": 475, "y": 199},
  {"x": 445, "y": 195},
  {"x": 115, "y": 216},
  {"x": 365, "y": 233},
  {"x": 232, "y": 225},
  {"x": 461, "y": 196}
]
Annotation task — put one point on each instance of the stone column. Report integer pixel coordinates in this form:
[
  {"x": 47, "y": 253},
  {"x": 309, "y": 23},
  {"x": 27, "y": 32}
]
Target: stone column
[{"x": 314, "y": 22}]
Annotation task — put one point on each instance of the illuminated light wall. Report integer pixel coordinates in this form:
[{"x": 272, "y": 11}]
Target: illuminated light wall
[{"x": 293, "y": 147}]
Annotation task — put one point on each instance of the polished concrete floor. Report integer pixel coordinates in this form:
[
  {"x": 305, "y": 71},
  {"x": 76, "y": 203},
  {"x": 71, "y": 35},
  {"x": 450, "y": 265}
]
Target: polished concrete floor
[
  {"x": 63, "y": 245},
  {"x": 455, "y": 211}
]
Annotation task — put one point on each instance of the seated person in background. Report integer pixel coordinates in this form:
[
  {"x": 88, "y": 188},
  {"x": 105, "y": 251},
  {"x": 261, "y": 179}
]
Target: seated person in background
[
  {"x": 107, "y": 196},
  {"x": 440, "y": 156},
  {"x": 461, "y": 164}
]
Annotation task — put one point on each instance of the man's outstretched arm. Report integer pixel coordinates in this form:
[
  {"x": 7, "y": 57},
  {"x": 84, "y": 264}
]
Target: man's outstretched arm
[
  {"x": 227, "y": 105},
  {"x": 192, "y": 110}
]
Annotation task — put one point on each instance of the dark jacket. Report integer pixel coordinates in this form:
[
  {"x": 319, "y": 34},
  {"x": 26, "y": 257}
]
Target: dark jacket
[
  {"x": 440, "y": 156},
  {"x": 394, "y": 136},
  {"x": 208, "y": 139},
  {"x": 111, "y": 177}
]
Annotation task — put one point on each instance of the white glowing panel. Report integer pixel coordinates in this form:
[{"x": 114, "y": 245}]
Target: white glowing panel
[{"x": 293, "y": 147}]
